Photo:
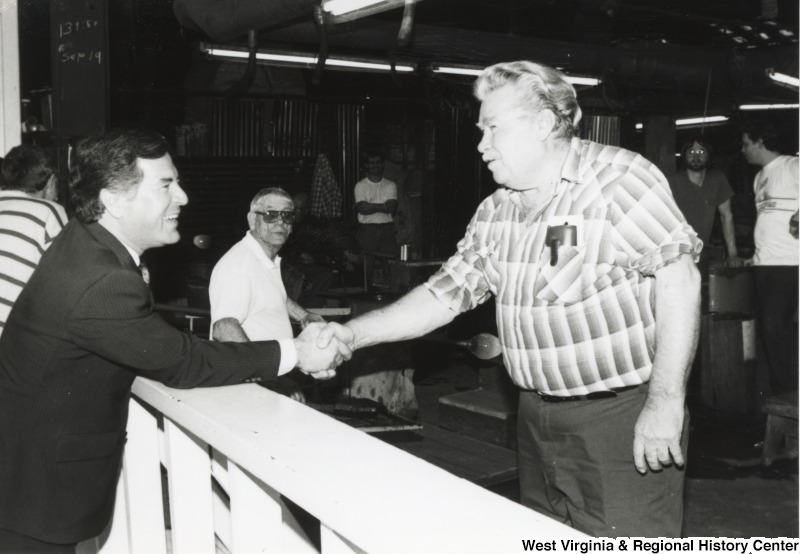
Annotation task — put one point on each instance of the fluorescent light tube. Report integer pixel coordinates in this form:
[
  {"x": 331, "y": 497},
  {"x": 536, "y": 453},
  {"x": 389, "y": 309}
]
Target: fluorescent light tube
[
  {"x": 590, "y": 81},
  {"x": 367, "y": 65},
  {"x": 769, "y": 106},
  {"x": 475, "y": 71},
  {"x": 782, "y": 78},
  {"x": 698, "y": 120},
  {"x": 299, "y": 59},
  {"x": 471, "y": 71},
  {"x": 339, "y": 7}
]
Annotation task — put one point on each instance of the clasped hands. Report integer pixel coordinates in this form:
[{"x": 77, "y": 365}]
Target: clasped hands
[{"x": 318, "y": 353}]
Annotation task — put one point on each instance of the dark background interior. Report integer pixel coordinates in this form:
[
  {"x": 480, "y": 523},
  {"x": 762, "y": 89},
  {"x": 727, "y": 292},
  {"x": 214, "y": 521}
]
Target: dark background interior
[{"x": 675, "y": 58}]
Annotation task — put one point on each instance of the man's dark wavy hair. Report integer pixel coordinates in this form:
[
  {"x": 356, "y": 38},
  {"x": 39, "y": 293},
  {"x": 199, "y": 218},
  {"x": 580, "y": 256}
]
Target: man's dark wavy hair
[
  {"x": 759, "y": 129},
  {"x": 26, "y": 168},
  {"x": 109, "y": 161}
]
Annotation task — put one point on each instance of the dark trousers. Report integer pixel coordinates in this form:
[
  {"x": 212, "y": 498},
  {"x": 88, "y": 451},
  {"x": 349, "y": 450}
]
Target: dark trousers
[
  {"x": 376, "y": 238},
  {"x": 15, "y": 543},
  {"x": 776, "y": 289},
  {"x": 576, "y": 466}
]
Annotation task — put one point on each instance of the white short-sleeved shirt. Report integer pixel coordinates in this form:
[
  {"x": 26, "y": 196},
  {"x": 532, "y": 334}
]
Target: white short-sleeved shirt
[
  {"x": 246, "y": 285},
  {"x": 776, "y": 187},
  {"x": 375, "y": 193}
]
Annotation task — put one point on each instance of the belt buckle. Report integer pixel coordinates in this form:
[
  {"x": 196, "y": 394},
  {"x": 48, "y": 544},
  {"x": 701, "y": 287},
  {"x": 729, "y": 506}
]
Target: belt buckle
[{"x": 557, "y": 399}]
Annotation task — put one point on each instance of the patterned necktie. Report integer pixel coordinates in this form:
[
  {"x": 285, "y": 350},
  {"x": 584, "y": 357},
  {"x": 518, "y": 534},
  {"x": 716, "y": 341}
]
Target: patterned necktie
[{"x": 145, "y": 273}]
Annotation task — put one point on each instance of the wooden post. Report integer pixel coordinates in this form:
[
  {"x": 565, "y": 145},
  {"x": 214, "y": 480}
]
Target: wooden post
[
  {"x": 333, "y": 543},
  {"x": 79, "y": 68},
  {"x": 256, "y": 517},
  {"x": 659, "y": 142},
  {"x": 142, "y": 474},
  {"x": 10, "y": 115},
  {"x": 728, "y": 355},
  {"x": 189, "y": 476}
]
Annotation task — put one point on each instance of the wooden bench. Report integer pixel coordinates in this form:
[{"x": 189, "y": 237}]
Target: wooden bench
[{"x": 781, "y": 413}]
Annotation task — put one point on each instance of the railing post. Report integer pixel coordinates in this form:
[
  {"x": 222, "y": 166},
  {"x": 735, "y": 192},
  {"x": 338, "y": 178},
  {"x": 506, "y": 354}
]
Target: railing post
[
  {"x": 189, "y": 476},
  {"x": 256, "y": 517},
  {"x": 142, "y": 474},
  {"x": 333, "y": 543},
  {"x": 260, "y": 520}
]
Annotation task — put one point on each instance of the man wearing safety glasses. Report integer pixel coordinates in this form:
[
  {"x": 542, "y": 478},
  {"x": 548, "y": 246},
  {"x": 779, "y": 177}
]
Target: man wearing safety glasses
[{"x": 248, "y": 298}]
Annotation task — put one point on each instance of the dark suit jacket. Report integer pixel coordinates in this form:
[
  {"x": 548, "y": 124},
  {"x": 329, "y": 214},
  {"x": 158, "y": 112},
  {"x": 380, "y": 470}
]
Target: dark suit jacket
[{"x": 81, "y": 331}]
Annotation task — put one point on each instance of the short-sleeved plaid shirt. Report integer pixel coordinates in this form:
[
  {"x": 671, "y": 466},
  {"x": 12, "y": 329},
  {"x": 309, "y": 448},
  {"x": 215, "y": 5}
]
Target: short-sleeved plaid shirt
[{"x": 586, "y": 323}]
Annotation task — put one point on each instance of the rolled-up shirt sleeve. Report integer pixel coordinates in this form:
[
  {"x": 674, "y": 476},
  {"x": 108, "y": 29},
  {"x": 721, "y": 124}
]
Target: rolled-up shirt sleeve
[
  {"x": 461, "y": 282},
  {"x": 647, "y": 224},
  {"x": 229, "y": 292}
]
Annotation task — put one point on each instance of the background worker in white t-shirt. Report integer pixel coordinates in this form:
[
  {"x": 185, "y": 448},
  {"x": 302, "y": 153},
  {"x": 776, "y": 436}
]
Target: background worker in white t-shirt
[
  {"x": 776, "y": 254},
  {"x": 376, "y": 204}
]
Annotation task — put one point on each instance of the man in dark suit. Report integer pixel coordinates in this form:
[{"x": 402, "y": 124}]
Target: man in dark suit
[{"x": 80, "y": 332}]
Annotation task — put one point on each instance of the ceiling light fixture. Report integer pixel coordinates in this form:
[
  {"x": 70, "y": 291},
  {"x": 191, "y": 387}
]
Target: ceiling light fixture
[
  {"x": 701, "y": 120},
  {"x": 783, "y": 78},
  {"x": 308, "y": 61},
  {"x": 589, "y": 81},
  {"x": 769, "y": 107},
  {"x": 475, "y": 71},
  {"x": 340, "y": 11},
  {"x": 452, "y": 70},
  {"x": 341, "y": 7}
]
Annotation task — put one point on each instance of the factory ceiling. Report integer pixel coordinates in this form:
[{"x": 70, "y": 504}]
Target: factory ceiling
[{"x": 652, "y": 55}]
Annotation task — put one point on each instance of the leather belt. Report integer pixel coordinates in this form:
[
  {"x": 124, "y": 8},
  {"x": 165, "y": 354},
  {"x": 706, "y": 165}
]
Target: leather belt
[{"x": 597, "y": 395}]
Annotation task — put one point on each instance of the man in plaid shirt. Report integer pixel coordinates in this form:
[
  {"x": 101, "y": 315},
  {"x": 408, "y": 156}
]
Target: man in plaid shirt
[{"x": 593, "y": 270}]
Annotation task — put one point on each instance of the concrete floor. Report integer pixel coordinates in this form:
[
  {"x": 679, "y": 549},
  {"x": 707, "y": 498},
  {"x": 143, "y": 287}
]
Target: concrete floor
[{"x": 729, "y": 493}]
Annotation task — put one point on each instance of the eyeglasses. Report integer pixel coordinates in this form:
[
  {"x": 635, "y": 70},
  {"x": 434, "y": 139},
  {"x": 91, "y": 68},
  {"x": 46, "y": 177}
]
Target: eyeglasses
[
  {"x": 697, "y": 152},
  {"x": 271, "y": 216}
]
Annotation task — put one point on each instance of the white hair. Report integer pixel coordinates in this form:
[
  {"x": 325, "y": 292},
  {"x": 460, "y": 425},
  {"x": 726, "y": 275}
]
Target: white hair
[{"x": 539, "y": 88}]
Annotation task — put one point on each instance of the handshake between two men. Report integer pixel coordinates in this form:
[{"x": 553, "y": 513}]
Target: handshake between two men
[
  {"x": 319, "y": 356},
  {"x": 322, "y": 347}
]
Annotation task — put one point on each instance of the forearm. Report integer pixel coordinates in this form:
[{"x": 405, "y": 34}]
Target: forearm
[
  {"x": 296, "y": 311},
  {"x": 229, "y": 330},
  {"x": 729, "y": 234},
  {"x": 414, "y": 315},
  {"x": 369, "y": 208},
  {"x": 677, "y": 328}
]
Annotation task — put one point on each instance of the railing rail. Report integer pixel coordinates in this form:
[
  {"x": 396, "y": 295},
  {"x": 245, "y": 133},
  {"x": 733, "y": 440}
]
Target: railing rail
[{"x": 367, "y": 495}]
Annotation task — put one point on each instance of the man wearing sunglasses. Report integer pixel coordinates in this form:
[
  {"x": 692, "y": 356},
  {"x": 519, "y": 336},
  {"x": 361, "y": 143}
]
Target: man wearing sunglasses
[
  {"x": 84, "y": 327},
  {"x": 248, "y": 298}
]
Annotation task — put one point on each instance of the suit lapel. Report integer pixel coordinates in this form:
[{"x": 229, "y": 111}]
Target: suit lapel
[{"x": 104, "y": 237}]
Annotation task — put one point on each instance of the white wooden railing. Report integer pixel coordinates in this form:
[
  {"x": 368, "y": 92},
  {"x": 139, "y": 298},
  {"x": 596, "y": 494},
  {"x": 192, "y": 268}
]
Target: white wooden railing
[{"x": 368, "y": 496}]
